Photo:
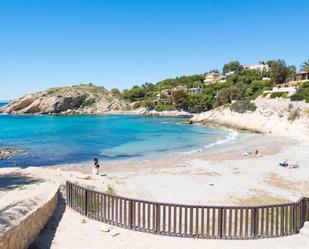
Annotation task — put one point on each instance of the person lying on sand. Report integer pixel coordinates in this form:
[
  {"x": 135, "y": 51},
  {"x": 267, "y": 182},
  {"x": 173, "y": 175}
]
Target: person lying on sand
[
  {"x": 249, "y": 153},
  {"x": 285, "y": 164}
]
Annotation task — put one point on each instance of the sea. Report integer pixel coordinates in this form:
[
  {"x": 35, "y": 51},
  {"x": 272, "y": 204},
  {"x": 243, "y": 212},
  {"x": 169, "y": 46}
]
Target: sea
[{"x": 51, "y": 140}]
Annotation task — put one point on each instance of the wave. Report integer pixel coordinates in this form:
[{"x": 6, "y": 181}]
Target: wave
[
  {"x": 187, "y": 152},
  {"x": 231, "y": 137}
]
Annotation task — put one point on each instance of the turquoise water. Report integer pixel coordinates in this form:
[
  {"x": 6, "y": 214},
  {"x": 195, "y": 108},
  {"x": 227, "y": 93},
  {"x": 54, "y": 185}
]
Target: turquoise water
[{"x": 49, "y": 140}]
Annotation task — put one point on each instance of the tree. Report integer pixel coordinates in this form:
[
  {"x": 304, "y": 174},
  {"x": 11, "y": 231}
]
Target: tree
[
  {"x": 214, "y": 71},
  {"x": 179, "y": 97},
  {"x": 305, "y": 66},
  {"x": 232, "y": 66},
  {"x": 226, "y": 95},
  {"x": 195, "y": 103},
  {"x": 115, "y": 92},
  {"x": 280, "y": 71},
  {"x": 135, "y": 93}
]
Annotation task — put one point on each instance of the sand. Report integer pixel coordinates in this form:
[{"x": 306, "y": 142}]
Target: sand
[
  {"x": 75, "y": 232},
  {"x": 215, "y": 177}
]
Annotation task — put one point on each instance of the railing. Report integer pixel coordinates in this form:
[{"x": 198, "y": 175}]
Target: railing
[{"x": 213, "y": 222}]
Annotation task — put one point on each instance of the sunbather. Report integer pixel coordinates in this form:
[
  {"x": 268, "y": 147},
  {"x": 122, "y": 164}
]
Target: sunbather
[{"x": 284, "y": 164}]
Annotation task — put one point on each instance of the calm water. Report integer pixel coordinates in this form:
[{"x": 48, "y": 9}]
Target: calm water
[{"x": 51, "y": 140}]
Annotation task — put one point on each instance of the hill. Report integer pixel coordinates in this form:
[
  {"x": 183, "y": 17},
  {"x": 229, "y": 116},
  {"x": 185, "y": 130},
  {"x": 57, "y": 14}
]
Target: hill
[{"x": 78, "y": 99}]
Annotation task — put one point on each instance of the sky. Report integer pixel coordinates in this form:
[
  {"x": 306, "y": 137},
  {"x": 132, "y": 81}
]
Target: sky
[{"x": 118, "y": 43}]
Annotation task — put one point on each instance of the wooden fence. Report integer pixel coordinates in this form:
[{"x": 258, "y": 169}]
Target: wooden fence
[{"x": 212, "y": 222}]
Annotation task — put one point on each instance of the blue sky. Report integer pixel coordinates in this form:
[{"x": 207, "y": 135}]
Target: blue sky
[{"x": 122, "y": 43}]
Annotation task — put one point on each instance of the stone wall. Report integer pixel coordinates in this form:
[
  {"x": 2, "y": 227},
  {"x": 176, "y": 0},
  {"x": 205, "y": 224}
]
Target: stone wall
[{"x": 21, "y": 233}]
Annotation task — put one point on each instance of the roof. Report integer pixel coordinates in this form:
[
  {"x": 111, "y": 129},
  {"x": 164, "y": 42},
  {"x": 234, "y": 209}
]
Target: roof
[{"x": 301, "y": 73}]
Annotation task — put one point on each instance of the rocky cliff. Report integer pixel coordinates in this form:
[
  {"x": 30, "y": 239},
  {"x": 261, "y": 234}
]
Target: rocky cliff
[
  {"x": 79, "y": 99},
  {"x": 279, "y": 117}
]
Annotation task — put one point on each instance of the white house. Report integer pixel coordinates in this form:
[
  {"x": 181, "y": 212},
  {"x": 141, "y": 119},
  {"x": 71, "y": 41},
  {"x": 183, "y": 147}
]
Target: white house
[
  {"x": 259, "y": 67},
  {"x": 195, "y": 90}
]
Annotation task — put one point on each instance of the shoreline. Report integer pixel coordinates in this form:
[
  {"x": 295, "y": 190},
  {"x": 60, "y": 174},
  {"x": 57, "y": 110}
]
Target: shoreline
[{"x": 145, "y": 179}]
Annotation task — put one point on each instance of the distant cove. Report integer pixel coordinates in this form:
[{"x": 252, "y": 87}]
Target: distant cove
[{"x": 50, "y": 140}]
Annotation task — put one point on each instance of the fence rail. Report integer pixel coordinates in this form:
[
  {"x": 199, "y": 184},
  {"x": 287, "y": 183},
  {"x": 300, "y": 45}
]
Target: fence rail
[{"x": 212, "y": 222}]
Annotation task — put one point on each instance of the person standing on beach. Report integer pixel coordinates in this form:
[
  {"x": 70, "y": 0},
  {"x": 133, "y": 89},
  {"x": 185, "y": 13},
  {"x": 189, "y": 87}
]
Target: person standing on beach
[{"x": 96, "y": 167}]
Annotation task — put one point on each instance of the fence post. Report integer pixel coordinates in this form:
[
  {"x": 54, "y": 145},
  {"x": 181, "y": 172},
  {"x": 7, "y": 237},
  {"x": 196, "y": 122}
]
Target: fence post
[
  {"x": 306, "y": 209},
  {"x": 158, "y": 218},
  {"x": 303, "y": 212},
  {"x": 294, "y": 218},
  {"x": 254, "y": 223},
  {"x": 130, "y": 214},
  {"x": 67, "y": 193},
  {"x": 220, "y": 223},
  {"x": 86, "y": 202}
]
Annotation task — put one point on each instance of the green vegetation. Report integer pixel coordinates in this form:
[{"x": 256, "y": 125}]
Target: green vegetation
[
  {"x": 161, "y": 108},
  {"x": 305, "y": 66},
  {"x": 111, "y": 190},
  {"x": 280, "y": 72},
  {"x": 171, "y": 94},
  {"x": 82, "y": 88},
  {"x": 89, "y": 101},
  {"x": 302, "y": 93},
  {"x": 234, "y": 66},
  {"x": 279, "y": 95},
  {"x": 243, "y": 85},
  {"x": 242, "y": 106}
]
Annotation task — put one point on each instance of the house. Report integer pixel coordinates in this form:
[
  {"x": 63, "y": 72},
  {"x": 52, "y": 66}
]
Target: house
[
  {"x": 299, "y": 78},
  {"x": 259, "y": 67},
  {"x": 230, "y": 74},
  {"x": 212, "y": 78},
  {"x": 195, "y": 90}
]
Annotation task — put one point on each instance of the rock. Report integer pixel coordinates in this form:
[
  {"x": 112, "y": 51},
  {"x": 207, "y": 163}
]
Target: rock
[
  {"x": 6, "y": 152},
  {"x": 80, "y": 99},
  {"x": 115, "y": 233}
]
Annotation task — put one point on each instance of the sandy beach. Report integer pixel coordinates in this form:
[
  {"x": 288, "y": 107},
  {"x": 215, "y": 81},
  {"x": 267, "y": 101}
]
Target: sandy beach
[
  {"x": 221, "y": 176},
  {"x": 227, "y": 174}
]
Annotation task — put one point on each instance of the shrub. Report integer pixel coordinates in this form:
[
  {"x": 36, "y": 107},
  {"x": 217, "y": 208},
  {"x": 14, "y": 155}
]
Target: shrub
[
  {"x": 302, "y": 93},
  {"x": 296, "y": 97},
  {"x": 196, "y": 103},
  {"x": 278, "y": 95},
  {"x": 161, "y": 108},
  {"x": 305, "y": 85},
  {"x": 293, "y": 114},
  {"x": 243, "y": 106},
  {"x": 147, "y": 104},
  {"x": 136, "y": 105},
  {"x": 111, "y": 190},
  {"x": 226, "y": 95},
  {"x": 89, "y": 101}
]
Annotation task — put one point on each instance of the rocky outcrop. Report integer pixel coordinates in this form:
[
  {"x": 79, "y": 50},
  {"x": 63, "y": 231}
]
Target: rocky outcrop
[
  {"x": 176, "y": 113},
  {"x": 279, "y": 117},
  {"x": 80, "y": 99},
  {"x": 7, "y": 152}
]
